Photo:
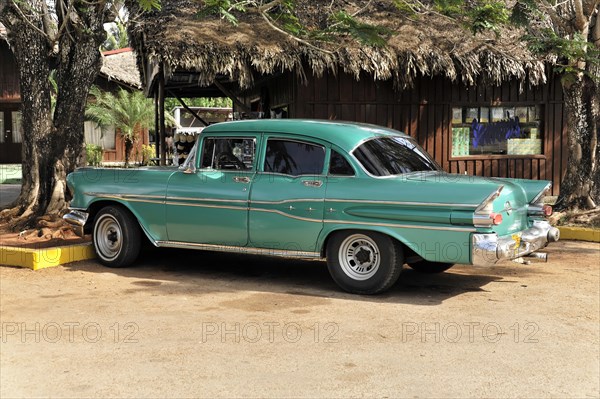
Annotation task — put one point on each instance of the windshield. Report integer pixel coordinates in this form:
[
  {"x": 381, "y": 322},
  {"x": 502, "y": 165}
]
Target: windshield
[{"x": 393, "y": 155}]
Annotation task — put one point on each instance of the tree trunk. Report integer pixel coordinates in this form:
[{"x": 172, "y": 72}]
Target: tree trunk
[
  {"x": 52, "y": 142},
  {"x": 128, "y": 147},
  {"x": 579, "y": 189}
]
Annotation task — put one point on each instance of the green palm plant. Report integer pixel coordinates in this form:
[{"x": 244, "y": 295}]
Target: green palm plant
[
  {"x": 128, "y": 112},
  {"x": 117, "y": 37}
]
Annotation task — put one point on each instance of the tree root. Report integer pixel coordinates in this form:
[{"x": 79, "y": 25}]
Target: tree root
[
  {"x": 582, "y": 218},
  {"x": 46, "y": 227}
]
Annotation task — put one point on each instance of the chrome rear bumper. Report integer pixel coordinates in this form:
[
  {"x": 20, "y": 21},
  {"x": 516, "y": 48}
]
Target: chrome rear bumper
[
  {"x": 77, "y": 220},
  {"x": 488, "y": 249}
]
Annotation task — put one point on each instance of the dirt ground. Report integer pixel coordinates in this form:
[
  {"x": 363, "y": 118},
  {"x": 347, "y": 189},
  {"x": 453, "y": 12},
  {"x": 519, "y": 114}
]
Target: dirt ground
[{"x": 197, "y": 324}]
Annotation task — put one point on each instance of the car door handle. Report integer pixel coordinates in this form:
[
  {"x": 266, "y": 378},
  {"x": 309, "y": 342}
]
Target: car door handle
[
  {"x": 312, "y": 183},
  {"x": 241, "y": 179}
]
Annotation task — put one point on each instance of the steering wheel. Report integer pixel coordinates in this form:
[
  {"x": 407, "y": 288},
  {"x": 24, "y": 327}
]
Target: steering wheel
[{"x": 226, "y": 160}]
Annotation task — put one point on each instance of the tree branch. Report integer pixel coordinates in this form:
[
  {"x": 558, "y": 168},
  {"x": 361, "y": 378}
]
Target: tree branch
[
  {"x": 273, "y": 26},
  {"x": 580, "y": 19},
  {"x": 596, "y": 28},
  {"x": 46, "y": 22},
  {"x": 25, "y": 19},
  {"x": 268, "y": 6}
]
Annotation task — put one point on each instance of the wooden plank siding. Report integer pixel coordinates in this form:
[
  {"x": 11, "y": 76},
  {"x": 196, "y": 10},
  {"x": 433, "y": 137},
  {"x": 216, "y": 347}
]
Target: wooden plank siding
[
  {"x": 9, "y": 76},
  {"x": 424, "y": 112}
]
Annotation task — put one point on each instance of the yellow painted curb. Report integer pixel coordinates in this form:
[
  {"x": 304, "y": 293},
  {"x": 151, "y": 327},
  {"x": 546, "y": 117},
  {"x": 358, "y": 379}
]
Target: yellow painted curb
[
  {"x": 579, "y": 233},
  {"x": 45, "y": 257}
]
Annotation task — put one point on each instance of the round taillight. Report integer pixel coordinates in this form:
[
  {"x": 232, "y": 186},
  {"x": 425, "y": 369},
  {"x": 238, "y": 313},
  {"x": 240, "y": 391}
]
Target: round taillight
[
  {"x": 547, "y": 210},
  {"x": 496, "y": 218}
]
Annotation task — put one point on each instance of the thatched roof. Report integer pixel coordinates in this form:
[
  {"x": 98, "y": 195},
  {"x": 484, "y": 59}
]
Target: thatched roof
[
  {"x": 120, "y": 66},
  {"x": 428, "y": 44}
]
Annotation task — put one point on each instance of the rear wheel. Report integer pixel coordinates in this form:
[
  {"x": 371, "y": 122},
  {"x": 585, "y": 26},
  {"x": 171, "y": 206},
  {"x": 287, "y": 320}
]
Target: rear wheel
[
  {"x": 364, "y": 262},
  {"x": 427, "y": 267},
  {"x": 117, "y": 237}
]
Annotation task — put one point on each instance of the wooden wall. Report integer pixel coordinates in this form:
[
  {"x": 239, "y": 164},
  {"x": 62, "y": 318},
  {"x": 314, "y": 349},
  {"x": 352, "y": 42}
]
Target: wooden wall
[
  {"x": 118, "y": 153},
  {"x": 9, "y": 79},
  {"x": 424, "y": 112}
]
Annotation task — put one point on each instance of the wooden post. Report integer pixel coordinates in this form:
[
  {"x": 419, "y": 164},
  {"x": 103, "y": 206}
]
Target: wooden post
[
  {"x": 156, "y": 125},
  {"x": 161, "y": 116},
  {"x": 233, "y": 97}
]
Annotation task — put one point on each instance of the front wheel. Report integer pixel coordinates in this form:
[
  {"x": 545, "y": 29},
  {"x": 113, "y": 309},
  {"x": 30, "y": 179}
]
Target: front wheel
[
  {"x": 364, "y": 262},
  {"x": 117, "y": 237},
  {"x": 427, "y": 267}
]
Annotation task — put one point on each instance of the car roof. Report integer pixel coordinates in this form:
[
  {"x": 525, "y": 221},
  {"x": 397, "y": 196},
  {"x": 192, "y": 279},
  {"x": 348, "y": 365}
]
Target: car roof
[{"x": 346, "y": 135}]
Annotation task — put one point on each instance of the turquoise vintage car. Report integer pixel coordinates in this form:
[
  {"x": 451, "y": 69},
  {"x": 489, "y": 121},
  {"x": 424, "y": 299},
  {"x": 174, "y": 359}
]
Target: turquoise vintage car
[{"x": 366, "y": 198}]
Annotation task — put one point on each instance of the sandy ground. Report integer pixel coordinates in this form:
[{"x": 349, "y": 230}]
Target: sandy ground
[{"x": 196, "y": 324}]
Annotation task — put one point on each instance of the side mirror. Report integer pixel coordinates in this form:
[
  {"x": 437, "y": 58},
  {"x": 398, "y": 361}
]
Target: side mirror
[{"x": 191, "y": 169}]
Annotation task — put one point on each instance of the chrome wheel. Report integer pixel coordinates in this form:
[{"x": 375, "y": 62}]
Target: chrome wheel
[
  {"x": 359, "y": 257},
  {"x": 108, "y": 237}
]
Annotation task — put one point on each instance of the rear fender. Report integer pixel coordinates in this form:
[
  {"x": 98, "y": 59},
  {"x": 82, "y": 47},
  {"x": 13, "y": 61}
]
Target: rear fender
[{"x": 435, "y": 244}]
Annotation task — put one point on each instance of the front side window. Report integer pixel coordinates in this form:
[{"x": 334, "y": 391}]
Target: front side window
[
  {"x": 393, "y": 155},
  {"x": 228, "y": 153},
  {"x": 294, "y": 158}
]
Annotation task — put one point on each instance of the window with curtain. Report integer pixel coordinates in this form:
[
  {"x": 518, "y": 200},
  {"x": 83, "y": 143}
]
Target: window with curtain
[
  {"x": 1, "y": 127},
  {"x": 17, "y": 127},
  {"x": 104, "y": 137}
]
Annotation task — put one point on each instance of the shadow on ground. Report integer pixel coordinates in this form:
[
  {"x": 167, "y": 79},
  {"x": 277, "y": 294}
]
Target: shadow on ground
[{"x": 195, "y": 273}]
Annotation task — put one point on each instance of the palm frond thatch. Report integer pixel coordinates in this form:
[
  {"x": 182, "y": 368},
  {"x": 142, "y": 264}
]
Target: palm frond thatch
[
  {"x": 426, "y": 45},
  {"x": 121, "y": 66}
]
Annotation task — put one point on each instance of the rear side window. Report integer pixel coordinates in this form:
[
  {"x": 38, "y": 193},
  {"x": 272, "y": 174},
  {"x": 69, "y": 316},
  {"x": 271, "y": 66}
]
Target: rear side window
[
  {"x": 339, "y": 166},
  {"x": 393, "y": 155},
  {"x": 294, "y": 158}
]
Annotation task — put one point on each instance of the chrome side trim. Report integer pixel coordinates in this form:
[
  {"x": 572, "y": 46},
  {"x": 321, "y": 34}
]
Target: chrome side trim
[
  {"x": 244, "y": 250},
  {"x": 287, "y": 215},
  {"x": 142, "y": 198},
  {"x": 481, "y": 216},
  {"x": 408, "y": 203},
  {"x": 124, "y": 196},
  {"x": 121, "y": 197},
  {"x": 490, "y": 198},
  {"x": 287, "y": 201},
  {"x": 541, "y": 194},
  {"x": 205, "y": 200},
  {"x": 233, "y": 207},
  {"x": 403, "y": 226}
]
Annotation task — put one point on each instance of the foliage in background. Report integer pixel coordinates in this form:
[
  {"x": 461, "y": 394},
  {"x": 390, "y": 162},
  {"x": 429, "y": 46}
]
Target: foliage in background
[
  {"x": 219, "y": 102},
  {"x": 128, "y": 112},
  {"x": 148, "y": 152},
  {"x": 93, "y": 154},
  {"x": 117, "y": 37}
]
